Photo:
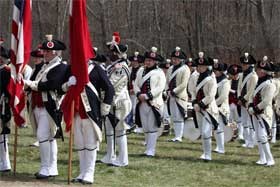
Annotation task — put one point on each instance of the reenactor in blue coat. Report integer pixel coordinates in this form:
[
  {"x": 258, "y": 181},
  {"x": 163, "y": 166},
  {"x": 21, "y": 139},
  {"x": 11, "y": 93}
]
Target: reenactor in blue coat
[
  {"x": 45, "y": 103},
  {"x": 90, "y": 110}
]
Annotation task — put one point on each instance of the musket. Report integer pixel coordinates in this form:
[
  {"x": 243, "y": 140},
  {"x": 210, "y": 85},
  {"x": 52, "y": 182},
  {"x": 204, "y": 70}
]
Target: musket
[
  {"x": 114, "y": 121},
  {"x": 103, "y": 120}
]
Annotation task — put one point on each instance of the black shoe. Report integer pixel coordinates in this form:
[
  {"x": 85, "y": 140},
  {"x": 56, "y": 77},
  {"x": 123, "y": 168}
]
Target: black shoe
[
  {"x": 150, "y": 156},
  {"x": 53, "y": 175},
  {"x": 143, "y": 155},
  {"x": 86, "y": 182},
  {"x": 76, "y": 180},
  {"x": 5, "y": 170},
  {"x": 112, "y": 165},
  {"x": 40, "y": 176}
]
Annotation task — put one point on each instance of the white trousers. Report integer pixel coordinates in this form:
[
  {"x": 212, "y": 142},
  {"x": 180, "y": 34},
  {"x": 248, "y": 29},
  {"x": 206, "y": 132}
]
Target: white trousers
[
  {"x": 220, "y": 140},
  {"x": 205, "y": 128},
  {"x": 273, "y": 128},
  {"x": 116, "y": 139},
  {"x": 249, "y": 132},
  {"x": 47, "y": 144},
  {"x": 86, "y": 143},
  {"x": 177, "y": 118},
  {"x": 234, "y": 117},
  {"x": 150, "y": 128},
  {"x": 4, "y": 153},
  {"x": 262, "y": 138}
]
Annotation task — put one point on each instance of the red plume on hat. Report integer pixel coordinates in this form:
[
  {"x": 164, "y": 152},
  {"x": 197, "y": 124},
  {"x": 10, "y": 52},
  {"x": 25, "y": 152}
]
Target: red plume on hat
[{"x": 116, "y": 37}]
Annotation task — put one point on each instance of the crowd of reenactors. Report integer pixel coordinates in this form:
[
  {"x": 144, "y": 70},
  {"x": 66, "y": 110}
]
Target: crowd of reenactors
[{"x": 142, "y": 91}]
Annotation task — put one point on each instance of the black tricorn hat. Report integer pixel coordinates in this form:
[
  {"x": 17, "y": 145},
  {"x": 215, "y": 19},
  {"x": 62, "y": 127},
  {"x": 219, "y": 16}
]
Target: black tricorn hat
[
  {"x": 178, "y": 53},
  {"x": 265, "y": 65},
  {"x": 136, "y": 57},
  {"x": 115, "y": 45},
  {"x": 37, "y": 52},
  {"x": 219, "y": 66},
  {"x": 99, "y": 58},
  {"x": 5, "y": 53},
  {"x": 234, "y": 69},
  {"x": 165, "y": 64},
  {"x": 190, "y": 62},
  {"x": 52, "y": 44},
  {"x": 247, "y": 59},
  {"x": 118, "y": 48},
  {"x": 153, "y": 55},
  {"x": 202, "y": 61}
]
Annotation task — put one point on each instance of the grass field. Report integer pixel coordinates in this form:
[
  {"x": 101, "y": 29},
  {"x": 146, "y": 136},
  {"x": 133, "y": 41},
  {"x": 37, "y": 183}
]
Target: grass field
[{"x": 176, "y": 164}]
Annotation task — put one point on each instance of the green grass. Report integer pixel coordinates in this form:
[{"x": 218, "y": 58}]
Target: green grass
[{"x": 175, "y": 164}]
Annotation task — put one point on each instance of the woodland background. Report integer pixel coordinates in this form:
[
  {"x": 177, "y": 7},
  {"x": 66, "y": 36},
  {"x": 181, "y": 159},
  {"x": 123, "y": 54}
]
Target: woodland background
[{"x": 223, "y": 29}]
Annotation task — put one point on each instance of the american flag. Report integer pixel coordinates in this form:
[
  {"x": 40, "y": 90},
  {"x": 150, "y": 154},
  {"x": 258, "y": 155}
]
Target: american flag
[
  {"x": 81, "y": 52},
  {"x": 20, "y": 54}
]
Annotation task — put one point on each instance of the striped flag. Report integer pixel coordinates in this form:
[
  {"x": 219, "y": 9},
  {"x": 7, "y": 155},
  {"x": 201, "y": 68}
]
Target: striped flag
[
  {"x": 81, "y": 52},
  {"x": 20, "y": 54}
]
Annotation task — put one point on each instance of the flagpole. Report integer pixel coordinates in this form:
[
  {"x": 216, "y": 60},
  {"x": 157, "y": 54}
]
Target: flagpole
[
  {"x": 70, "y": 146},
  {"x": 15, "y": 150}
]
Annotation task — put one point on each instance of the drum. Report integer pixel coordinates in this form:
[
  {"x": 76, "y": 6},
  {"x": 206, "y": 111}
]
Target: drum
[
  {"x": 230, "y": 132},
  {"x": 190, "y": 132}
]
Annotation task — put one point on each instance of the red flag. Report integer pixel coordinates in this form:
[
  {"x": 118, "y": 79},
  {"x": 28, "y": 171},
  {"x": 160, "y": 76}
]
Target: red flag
[
  {"x": 81, "y": 52},
  {"x": 20, "y": 54}
]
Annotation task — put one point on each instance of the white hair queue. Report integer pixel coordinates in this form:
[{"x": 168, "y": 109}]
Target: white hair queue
[
  {"x": 136, "y": 53},
  {"x": 190, "y": 59},
  {"x": 177, "y": 48},
  {"x": 246, "y": 55},
  {"x": 168, "y": 60},
  {"x": 154, "y": 49}
]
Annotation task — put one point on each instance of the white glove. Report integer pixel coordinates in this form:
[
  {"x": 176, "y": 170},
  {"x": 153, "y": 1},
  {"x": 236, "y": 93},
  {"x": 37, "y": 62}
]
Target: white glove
[
  {"x": 32, "y": 84},
  {"x": 105, "y": 109},
  {"x": 251, "y": 111},
  {"x": 196, "y": 108},
  {"x": 72, "y": 81},
  {"x": 27, "y": 82},
  {"x": 232, "y": 91}
]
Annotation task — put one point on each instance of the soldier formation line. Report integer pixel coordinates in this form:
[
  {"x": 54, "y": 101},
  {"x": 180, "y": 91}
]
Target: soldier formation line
[{"x": 144, "y": 91}]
